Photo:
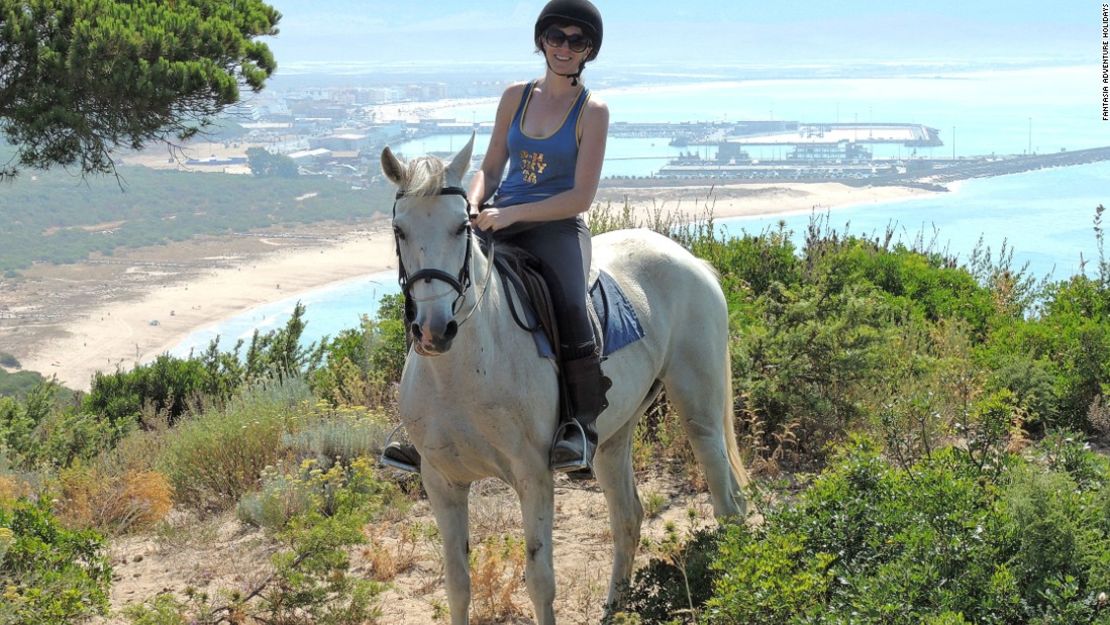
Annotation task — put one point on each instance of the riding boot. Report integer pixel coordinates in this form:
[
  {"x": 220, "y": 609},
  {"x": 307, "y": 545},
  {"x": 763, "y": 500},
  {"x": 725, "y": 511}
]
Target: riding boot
[
  {"x": 401, "y": 456},
  {"x": 576, "y": 441}
]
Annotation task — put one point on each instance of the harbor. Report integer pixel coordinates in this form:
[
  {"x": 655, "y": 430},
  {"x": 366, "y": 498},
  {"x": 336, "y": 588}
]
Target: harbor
[{"x": 762, "y": 151}]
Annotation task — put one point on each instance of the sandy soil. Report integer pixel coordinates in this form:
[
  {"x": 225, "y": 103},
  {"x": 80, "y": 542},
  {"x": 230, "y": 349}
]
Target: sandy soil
[
  {"x": 222, "y": 553},
  {"x": 72, "y": 320}
]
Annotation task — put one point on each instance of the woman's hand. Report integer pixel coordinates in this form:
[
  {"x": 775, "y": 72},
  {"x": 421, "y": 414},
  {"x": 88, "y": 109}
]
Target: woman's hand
[{"x": 494, "y": 219}]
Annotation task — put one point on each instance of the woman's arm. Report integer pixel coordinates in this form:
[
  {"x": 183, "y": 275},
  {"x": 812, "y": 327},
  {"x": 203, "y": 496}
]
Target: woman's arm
[
  {"x": 486, "y": 180},
  {"x": 587, "y": 175}
]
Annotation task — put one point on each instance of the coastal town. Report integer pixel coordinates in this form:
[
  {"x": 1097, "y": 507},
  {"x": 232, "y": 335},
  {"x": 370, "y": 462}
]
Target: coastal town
[{"x": 339, "y": 132}]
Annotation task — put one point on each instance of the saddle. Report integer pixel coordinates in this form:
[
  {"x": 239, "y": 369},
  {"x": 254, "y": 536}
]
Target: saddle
[{"x": 611, "y": 314}]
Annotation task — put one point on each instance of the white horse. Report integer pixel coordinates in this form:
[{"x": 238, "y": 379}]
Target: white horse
[{"x": 477, "y": 401}]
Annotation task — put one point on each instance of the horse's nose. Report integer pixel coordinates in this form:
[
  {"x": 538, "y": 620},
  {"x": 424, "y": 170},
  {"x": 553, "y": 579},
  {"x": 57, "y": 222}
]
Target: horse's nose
[{"x": 434, "y": 336}]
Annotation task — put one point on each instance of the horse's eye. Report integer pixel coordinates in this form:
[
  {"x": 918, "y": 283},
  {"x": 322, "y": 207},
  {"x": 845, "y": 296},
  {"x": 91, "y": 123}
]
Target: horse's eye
[
  {"x": 397, "y": 232},
  {"x": 462, "y": 228}
]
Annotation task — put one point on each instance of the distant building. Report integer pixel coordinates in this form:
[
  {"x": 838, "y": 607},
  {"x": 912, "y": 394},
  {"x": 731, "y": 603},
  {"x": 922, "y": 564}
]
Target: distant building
[
  {"x": 344, "y": 142},
  {"x": 307, "y": 157},
  {"x": 379, "y": 95},
  {"x": 426, "y": 91},
  {"x": 842, "y": 150}
]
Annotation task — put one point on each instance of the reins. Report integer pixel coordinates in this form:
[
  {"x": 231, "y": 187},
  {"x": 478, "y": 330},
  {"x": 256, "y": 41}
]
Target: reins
[{"x": 460, "y": 282}]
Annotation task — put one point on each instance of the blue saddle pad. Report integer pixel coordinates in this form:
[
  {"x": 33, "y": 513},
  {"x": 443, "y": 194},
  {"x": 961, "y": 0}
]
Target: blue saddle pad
[{"x": 619, "y": 325}]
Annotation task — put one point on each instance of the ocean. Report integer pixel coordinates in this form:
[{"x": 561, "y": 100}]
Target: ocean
[{"x": 1045, "y": 216}]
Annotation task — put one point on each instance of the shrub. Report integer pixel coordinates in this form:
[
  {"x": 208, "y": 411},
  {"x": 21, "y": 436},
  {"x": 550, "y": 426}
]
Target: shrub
[
  {"x": 750, "y": 263},
  {"x": 50, "y": 575},
  {"x": 812, "y": 359},
  {"x": 91, "y": 497},
  {"x": 214, "y": 458},
  {"x": 20, "y": 383},
  {"x": 941, "y": 541},
  {"x": 342, "y": 434},
  {"x": 166, "y": 385},
  {"x": 496, "y": 573},
  {"x": 309, "y": 582},
  {"x": 1066, "y": 348},
  {"x": 360, "y": 367},
  {"x": 285, "y": 496},
  {"x": 9, "y": 361},
  {"x": 669, "y": 585}
]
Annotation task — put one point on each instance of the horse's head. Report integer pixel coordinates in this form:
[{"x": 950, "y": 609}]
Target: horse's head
[{"x": 432, "y": 228}]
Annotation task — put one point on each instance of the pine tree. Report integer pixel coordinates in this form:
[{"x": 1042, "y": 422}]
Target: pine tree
[{"x": 81, "y": 77}]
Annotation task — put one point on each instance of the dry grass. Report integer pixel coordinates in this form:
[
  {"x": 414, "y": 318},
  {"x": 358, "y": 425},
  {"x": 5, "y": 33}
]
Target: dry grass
[
  {"x": 496, "y": 575},
  {"x": 494, "y": 510},
  {"x": 12, "y": 488},
  {"x": 1098, "y": 415},
  {"x": 211, "y": 552},
  {"x": 136, "y": 500},
  {"x": 389, "y": 556},
  {"x": 584, "y": 591}
]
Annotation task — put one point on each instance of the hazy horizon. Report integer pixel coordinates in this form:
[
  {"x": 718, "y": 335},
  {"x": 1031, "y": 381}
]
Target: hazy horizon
[{"x": 442, "y": 35}]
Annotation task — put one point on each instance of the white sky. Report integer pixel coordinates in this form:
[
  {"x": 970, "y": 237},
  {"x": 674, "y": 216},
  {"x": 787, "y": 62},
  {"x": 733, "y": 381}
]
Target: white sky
[{"x": 679, "y": 34}]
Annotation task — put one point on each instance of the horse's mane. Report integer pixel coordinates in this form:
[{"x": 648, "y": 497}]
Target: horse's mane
[{"x": 425, "y": 176}]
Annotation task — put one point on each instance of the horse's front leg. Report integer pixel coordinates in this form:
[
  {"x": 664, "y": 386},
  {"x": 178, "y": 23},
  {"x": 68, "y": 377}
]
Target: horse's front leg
[
  {"x": 449, "y": 504},
  {"x": 537, "y": 504}
]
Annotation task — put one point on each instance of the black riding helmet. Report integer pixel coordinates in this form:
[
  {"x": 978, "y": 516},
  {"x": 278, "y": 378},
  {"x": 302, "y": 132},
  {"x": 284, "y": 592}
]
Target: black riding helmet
[{"x": 581, "y": 13}]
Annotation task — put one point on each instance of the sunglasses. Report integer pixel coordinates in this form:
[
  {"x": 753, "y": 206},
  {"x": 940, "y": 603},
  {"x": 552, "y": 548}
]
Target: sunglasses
[{"x": 555, "y": 38}]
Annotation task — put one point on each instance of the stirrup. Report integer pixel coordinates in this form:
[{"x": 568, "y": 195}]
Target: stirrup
[
  {"x": 582, "y": 463},
  {"x": 390, "y": 462}
]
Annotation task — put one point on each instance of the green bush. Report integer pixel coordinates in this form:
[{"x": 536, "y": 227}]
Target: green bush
[
  {"x": 172, "y": 386},
  {"x": 215, "y": 457},
  {"x": 19, "y": 423},
  {"x": 1065, "y": 349},
  {"x": 810, "y": 362},
  {"x": 49, "y": 575},
  {"x": 286, "y": 495},
  {"x": 941, "y": 541},
  {"x": 9, "y": 361},
  {"x": 360, "y": 367},
  {"x": 310, "y": 582},
  {"x": 166, "y": 385},
  {"x": 669, "y": 585},
  {"x": 19, "y": 383},
  {"x": 341, "y": 434},
  {"x": 36, "y": 432}
]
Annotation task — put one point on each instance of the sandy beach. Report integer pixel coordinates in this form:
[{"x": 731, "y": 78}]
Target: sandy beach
[{"x": 151, "y": 303}]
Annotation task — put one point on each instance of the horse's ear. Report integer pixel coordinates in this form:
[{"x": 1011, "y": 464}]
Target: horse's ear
[
  {"x": 392, "y": 167},
  {"x": 460, "y": 165}
]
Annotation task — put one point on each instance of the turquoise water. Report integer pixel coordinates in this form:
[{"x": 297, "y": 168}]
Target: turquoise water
[
  {"x": 1046, "y": 216},
  {"x": 328, "y": 311},
  {"x": 1000, "y": 112}
]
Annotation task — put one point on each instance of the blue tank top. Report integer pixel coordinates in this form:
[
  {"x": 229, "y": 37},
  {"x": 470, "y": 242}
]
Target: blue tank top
[{"x": 540, "y": 167}]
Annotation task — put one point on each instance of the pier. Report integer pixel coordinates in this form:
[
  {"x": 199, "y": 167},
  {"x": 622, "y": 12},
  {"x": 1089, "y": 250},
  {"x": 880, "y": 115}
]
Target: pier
[
  {"x": 932, "y": 173},
  {"x": 815, "y": 152}
]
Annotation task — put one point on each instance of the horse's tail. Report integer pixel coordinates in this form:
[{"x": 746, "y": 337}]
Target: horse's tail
[{"x": 732, "y": 448}]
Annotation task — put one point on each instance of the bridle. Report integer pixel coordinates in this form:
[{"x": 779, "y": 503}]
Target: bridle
[{"x": 459, "y": 282}]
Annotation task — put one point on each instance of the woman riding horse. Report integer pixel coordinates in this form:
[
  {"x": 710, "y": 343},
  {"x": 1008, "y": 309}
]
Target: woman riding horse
[{"x": 552, "y": 134}]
